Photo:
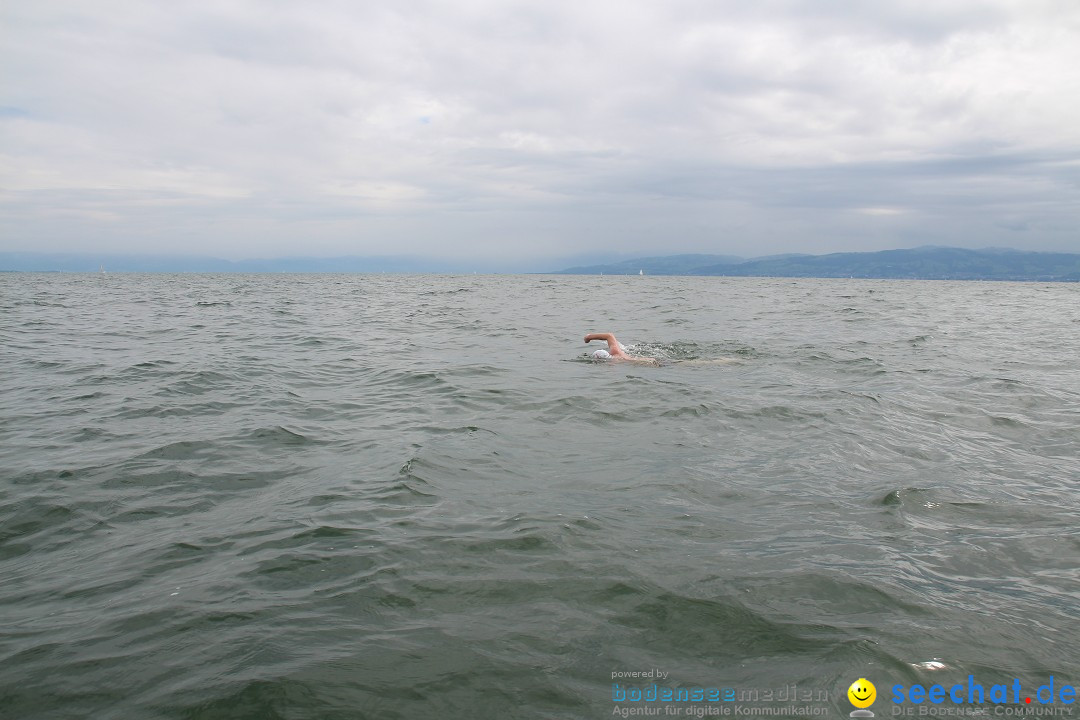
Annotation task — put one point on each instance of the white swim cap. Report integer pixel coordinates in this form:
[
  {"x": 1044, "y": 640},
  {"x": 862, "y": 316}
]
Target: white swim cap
[{"x": 601, "y": 354}]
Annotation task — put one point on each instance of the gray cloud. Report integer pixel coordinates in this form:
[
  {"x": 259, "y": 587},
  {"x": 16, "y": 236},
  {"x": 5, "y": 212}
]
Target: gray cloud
[{"x": 533, "y": 130}]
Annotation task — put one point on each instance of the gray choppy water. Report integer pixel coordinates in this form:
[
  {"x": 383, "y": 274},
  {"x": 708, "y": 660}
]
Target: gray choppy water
[{"x": 280, "y": 496}]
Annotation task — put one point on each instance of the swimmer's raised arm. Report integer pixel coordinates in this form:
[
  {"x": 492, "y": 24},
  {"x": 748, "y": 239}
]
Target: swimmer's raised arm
[{"x": 613, "y": 345}]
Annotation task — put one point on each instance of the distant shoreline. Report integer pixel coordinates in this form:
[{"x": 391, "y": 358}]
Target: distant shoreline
[
  {"x": 460, "y": 274},
  {"x": 925, "y": 263}
]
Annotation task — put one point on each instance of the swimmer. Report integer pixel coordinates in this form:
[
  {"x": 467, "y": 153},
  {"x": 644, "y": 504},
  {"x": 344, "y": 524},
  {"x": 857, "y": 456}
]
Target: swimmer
[{"x": 616, "y": 351}]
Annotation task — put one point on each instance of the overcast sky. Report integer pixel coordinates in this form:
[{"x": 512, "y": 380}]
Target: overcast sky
[{"x": 532, "y": 131}]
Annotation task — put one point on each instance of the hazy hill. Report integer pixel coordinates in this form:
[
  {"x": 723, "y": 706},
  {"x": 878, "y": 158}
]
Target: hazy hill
[
  {"x": 931, "y": 263},
  {"x": 667, "y": 265},
  {"x": 924, "y": 263},
  {"x": 88, "y": 262}
]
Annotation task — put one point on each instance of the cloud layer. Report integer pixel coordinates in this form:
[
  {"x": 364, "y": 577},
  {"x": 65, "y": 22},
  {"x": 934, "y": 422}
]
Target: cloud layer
[{"x": 534, "y": 130}]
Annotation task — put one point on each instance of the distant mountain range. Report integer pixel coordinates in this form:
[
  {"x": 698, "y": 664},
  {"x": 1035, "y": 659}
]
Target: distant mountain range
[
  {"x": 925, "y": 263},
  {"x": 88, "y": 262},
  {"x": 928, "y": 263}
]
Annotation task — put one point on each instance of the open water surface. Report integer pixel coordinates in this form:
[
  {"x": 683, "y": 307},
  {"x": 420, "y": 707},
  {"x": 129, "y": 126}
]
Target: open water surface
[{"x": 321, "y": 496}]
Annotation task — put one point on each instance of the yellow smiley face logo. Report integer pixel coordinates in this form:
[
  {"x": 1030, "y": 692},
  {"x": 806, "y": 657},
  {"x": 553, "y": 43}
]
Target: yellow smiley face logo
[{"x": 862, "y": 693}]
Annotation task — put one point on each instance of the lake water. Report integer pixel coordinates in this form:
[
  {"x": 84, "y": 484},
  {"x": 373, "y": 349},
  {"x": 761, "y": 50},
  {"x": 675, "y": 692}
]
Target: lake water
[{"x": 378, "y": 496}]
